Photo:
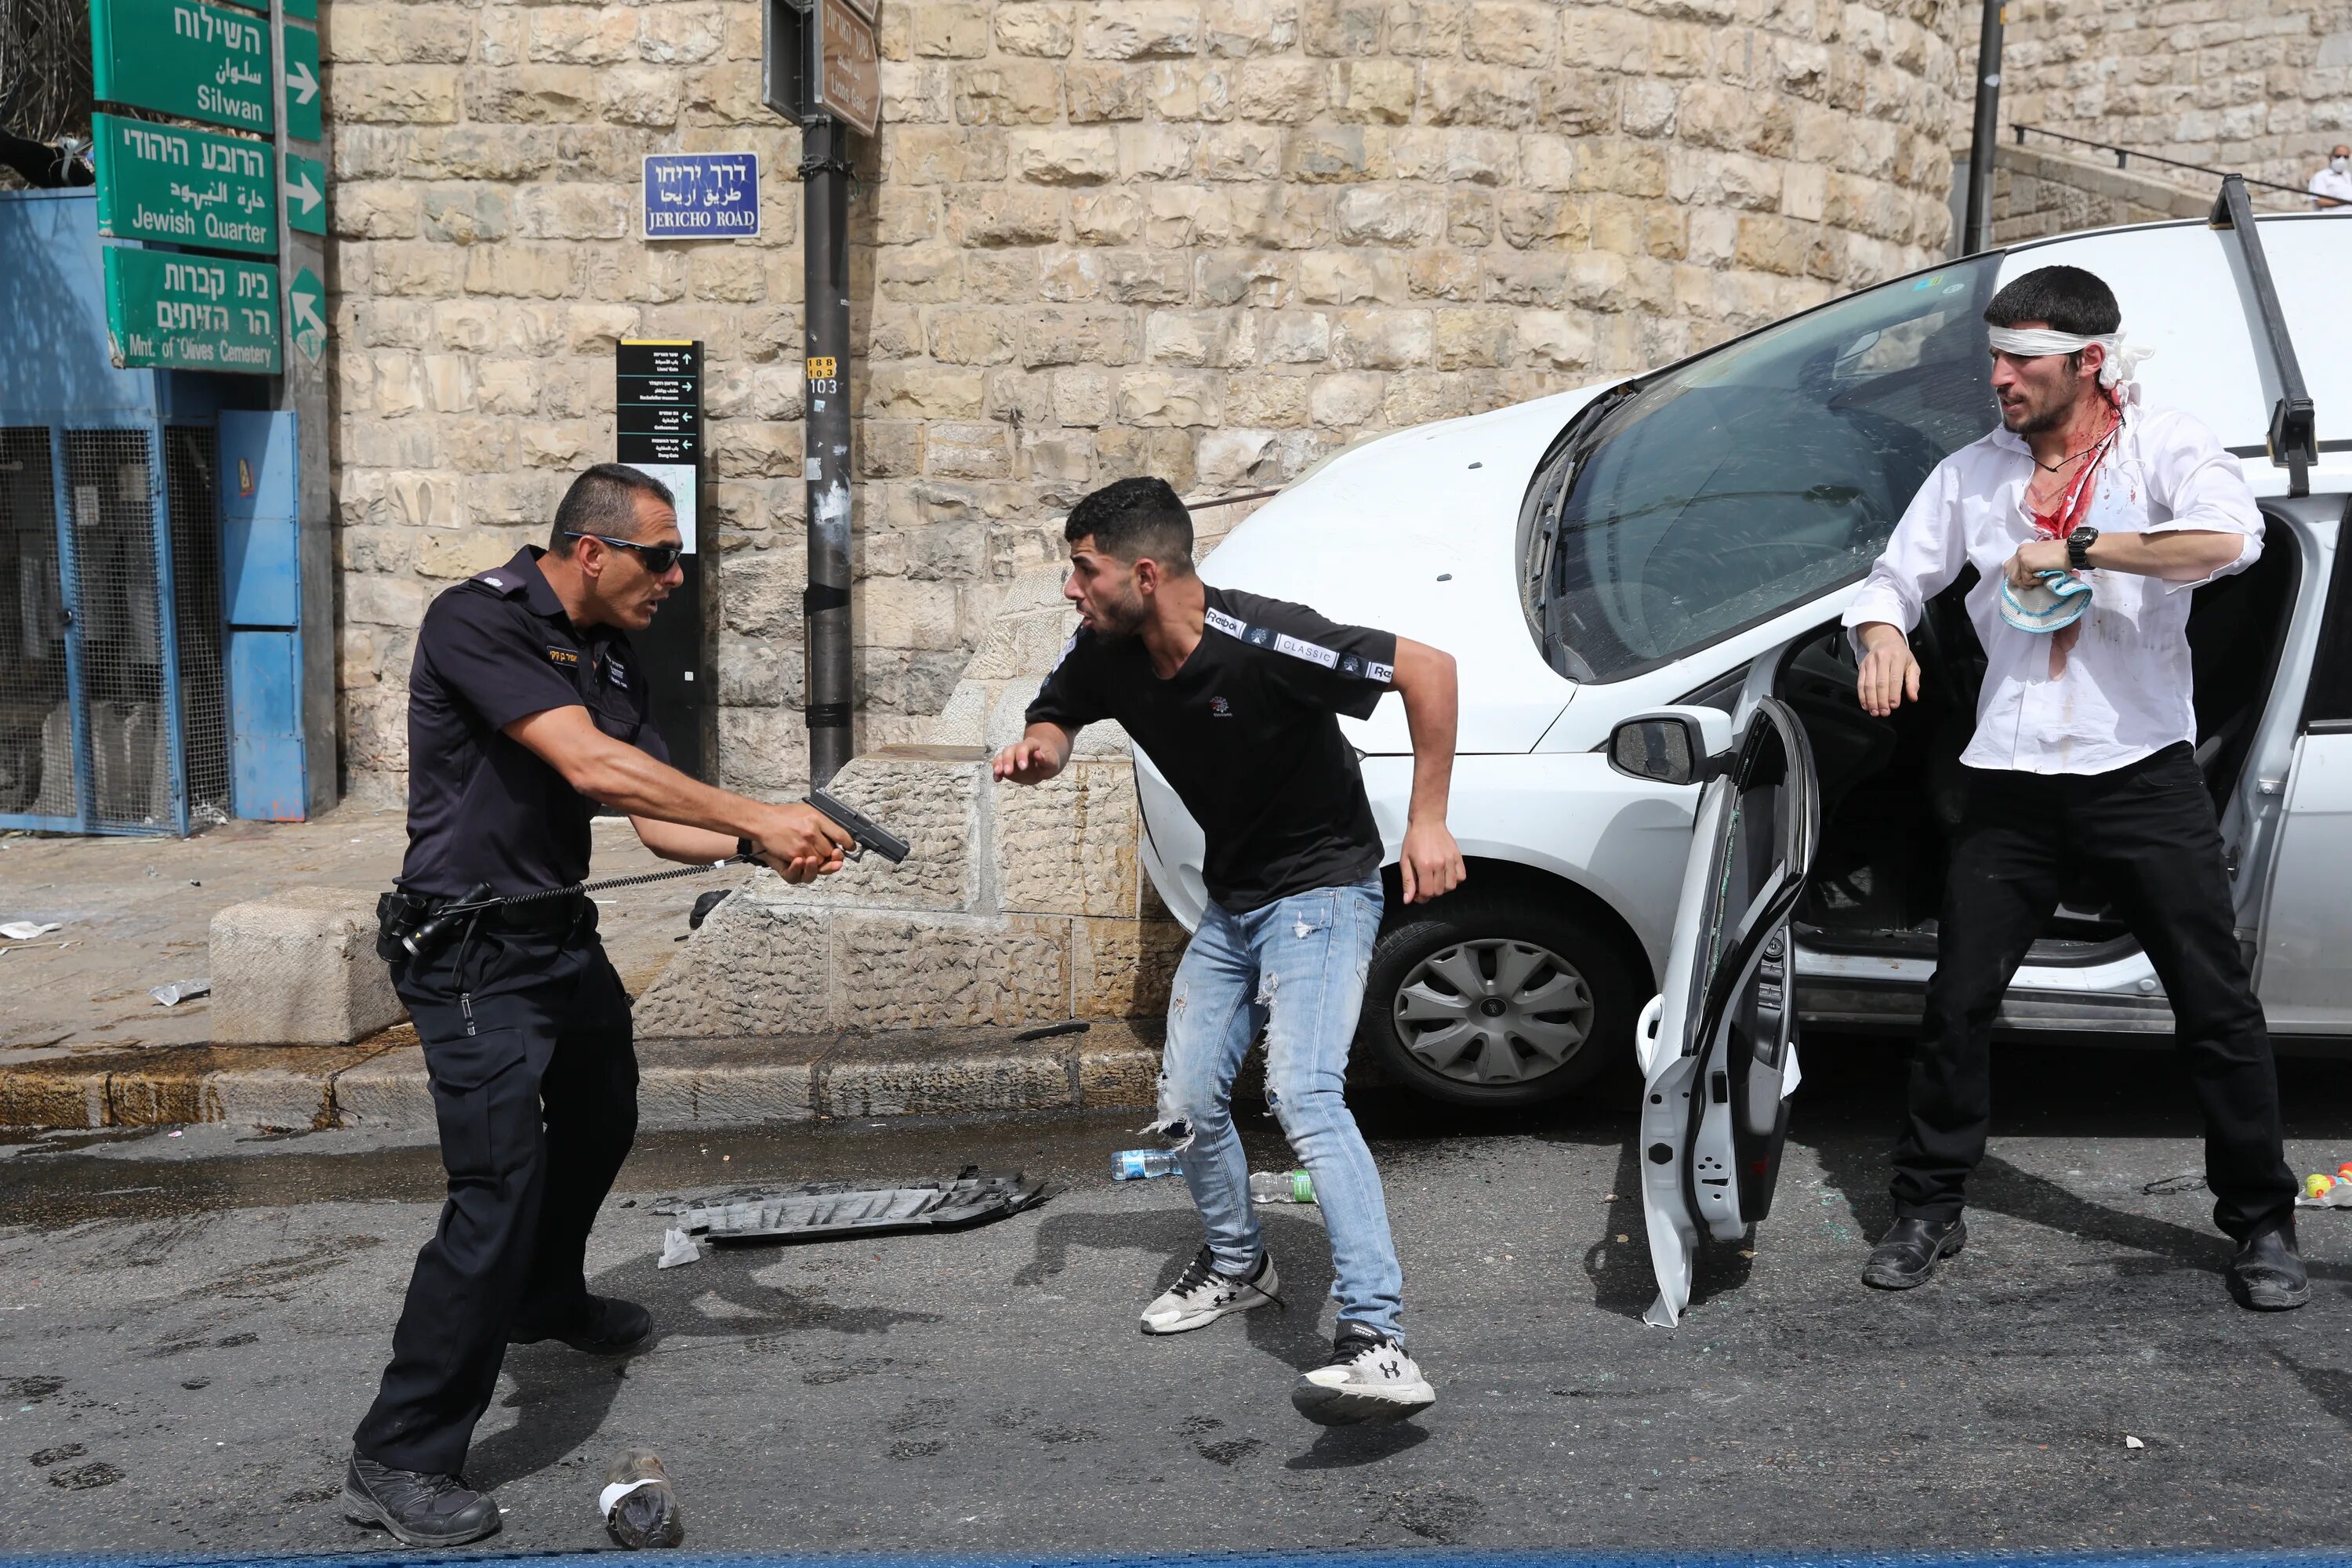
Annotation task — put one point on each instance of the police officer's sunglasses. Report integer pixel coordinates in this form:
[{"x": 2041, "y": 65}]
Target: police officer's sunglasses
[{"x": 659, "y": 558}]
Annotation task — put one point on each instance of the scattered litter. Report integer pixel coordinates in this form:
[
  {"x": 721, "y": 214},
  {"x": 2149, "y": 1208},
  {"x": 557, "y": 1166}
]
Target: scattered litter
[
  {"x": 1143, "y": 1164},
  {"x": 678, "y": 1249},
  {"x": 2168, "y": 1186},
  {"x": 823, "y": 1211},
  {"x": 2324, "y": 1192},
  {"x": 25, "y": 930},
  {"x": 639, "y": 1507},
  {"x": 179, "y": 991},
  {"x": 174, "y": 1132},
  {"x": 1281, "y": 1187},
  {"x": 1073, "y": 1027},
  {"x": 2134, "y": 1443}
]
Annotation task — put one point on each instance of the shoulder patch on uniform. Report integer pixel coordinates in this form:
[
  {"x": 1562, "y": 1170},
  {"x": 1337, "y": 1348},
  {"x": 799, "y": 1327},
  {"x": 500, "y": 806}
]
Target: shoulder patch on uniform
[
  {"x": 503, "y": 581},
  {"x": 568, "y": 657}
]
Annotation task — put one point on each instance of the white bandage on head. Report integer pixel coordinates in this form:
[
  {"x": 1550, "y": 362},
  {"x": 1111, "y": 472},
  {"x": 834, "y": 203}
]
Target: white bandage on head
[{"x": 2121, "y": 364}]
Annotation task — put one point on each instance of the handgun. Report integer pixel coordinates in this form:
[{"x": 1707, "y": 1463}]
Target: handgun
[{"x": 869, "y": 835}]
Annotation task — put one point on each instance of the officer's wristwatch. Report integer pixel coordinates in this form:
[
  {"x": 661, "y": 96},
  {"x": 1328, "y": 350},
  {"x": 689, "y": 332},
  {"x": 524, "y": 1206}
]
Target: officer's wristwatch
[{"x": 2078, "y": 547}]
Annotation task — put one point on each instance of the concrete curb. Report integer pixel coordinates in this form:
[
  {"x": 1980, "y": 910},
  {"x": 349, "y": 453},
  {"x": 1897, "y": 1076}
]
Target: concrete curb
[{"x": 382, "y": 1083}]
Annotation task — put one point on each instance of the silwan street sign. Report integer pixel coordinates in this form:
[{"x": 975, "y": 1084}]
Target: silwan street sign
[{"x": 187, "y": 58}]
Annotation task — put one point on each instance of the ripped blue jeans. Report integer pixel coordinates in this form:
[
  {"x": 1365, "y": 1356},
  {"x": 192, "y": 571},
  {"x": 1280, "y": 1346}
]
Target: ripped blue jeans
[{"x": 1294, "y": 969}]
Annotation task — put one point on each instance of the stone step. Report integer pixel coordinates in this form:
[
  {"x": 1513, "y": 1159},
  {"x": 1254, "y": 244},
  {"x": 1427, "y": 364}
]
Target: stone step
[{"x": 381, "y": 1082}]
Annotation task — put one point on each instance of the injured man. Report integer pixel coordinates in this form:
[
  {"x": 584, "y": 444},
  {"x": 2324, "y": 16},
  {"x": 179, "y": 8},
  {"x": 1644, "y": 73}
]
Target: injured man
[{"x": 1235, "y": 700}]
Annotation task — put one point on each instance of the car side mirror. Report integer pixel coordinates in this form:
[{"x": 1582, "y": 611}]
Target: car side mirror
[{"x": 1671, "y": 746}]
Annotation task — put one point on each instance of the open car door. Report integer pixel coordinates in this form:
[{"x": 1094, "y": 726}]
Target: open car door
[{"x": 1718, "y": 1046}]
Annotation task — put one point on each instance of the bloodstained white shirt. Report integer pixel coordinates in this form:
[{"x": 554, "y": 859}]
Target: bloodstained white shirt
[{"x": 2124, "y": 689}]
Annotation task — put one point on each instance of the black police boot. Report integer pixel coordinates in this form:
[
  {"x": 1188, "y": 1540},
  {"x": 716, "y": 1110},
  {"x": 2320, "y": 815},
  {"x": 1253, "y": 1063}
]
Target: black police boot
[
  {"x": 598, "y": 1325},
  {"x": 2266, "y": 1274},
  {"x": 419, "y": 1510},
  {"x": 1910, "y": 1250}
]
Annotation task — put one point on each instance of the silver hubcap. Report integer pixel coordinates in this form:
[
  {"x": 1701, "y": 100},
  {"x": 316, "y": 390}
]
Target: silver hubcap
[{"x": 1494, "y": 1011}]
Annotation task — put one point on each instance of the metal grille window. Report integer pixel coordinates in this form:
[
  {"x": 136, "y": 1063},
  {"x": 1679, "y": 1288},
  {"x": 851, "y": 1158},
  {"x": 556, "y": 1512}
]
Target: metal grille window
[
  {"x": 110, "y": 498},
  {"x": 191, "y": 464},
  {"x": 37, "y": 744}
]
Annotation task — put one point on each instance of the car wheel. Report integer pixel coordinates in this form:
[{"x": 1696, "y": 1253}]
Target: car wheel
[{"x": 1497, "y": 999}]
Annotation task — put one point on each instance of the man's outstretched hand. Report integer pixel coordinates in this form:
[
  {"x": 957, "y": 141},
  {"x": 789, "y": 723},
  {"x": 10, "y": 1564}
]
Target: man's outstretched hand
[
  {"x": 1430, "y": 864},
  {"x": 1035, "y": 757}
]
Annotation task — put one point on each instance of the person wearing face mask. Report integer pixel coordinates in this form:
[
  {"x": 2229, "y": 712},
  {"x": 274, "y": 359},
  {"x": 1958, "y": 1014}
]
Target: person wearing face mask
[
  {"x": 2331, "y": 188},
  {"x": 2082, "y": 755},
  {"x": 527, "y": 710}
]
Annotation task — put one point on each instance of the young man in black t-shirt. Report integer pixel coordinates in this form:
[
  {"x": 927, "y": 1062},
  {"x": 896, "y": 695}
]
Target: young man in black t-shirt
[{"x": 1235, "y": 699}]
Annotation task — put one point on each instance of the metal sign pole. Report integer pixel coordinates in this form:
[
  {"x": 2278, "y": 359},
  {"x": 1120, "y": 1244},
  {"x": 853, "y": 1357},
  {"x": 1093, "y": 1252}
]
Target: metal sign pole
[
  {"x": 825, "y": 238},
  {"x": 302, "y": 392},
  {"x": 1986, "y": 135}
]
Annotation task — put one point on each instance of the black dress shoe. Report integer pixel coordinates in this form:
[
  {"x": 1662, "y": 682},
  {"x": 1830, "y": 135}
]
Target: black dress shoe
[
  {"x": 599, "y": 1325},
  {"x": 1910, "y": 1250},
  {"x": 419, "y": 1510},
  {"x": 2266, "y": 1274}
]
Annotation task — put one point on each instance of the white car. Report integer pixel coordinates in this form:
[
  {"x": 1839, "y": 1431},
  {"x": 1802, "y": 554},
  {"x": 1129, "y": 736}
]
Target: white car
[{"x": 1642, "y": 582}]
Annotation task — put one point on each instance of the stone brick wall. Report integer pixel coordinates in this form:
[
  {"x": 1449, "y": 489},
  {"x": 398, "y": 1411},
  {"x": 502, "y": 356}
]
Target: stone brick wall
[
  {"x": 1210, "y": 239},
  {"x": 2262, "y": 87},
  {"x": 2036, "y": 193}
]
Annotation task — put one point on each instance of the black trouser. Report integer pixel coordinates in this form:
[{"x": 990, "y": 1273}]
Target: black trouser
[
  {"x": 2148, "y": 833},
  {"x": 537, "y": 1098}
]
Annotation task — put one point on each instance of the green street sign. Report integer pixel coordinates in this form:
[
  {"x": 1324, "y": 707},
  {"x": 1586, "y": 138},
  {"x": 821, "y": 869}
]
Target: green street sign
[
  {"x": 189, "y": 187},
  {"x": 188, "y": 58},
  {"x": 302, "y": 84},
  {"x": 169, "y": 312},
  {"x": 306, "y": 303},
  {"x": 306, "y": 9},
  {"x": 306, "y": 193}
]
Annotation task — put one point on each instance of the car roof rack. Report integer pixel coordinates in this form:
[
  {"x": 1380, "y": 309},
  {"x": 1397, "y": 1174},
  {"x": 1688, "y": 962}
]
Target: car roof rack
[{"x": 2294, "y": 437}]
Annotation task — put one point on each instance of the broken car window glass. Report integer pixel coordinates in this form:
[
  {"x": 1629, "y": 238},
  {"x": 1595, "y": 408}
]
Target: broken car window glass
[{"x": 1762, "y": 474}]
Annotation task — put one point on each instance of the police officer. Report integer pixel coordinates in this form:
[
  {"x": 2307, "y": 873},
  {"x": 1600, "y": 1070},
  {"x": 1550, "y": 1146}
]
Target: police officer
[{"x": 528, "y": 709}]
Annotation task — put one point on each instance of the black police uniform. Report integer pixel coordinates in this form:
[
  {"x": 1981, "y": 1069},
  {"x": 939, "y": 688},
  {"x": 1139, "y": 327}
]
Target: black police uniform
[{"x": 524, "y": 1023}]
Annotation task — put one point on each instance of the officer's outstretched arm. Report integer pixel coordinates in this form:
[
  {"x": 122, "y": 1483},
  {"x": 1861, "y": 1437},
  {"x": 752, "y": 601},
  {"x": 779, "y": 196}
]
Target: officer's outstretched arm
[{"x": 796, "y": 840}]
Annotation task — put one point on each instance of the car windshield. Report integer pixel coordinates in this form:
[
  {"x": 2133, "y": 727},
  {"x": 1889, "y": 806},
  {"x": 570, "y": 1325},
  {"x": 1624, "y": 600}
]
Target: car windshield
[{"x": 1754, "y": 478}]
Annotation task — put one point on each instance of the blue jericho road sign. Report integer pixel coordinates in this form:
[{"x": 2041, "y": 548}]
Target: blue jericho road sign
[{"x": 702, "y": 196}]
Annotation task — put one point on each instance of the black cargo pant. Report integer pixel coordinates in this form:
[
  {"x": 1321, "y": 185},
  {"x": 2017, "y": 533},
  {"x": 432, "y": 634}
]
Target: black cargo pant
[
  {"x": 2148, "y": 833},
  {"x": 535, "y": 1092}
]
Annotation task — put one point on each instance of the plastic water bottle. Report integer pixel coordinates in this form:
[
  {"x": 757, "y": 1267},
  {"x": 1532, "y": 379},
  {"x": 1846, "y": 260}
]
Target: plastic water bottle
[
  {"x": 1281, "y": 1187},
  {"x": 1139, "y": 1164}
]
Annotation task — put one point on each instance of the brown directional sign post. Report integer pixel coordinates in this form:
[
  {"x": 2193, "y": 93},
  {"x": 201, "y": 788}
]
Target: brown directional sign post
[{"x": 849, "y": 85}]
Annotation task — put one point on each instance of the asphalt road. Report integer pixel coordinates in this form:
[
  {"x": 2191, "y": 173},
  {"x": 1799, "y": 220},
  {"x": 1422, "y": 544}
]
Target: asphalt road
[{"x": 189, "y": 1328}]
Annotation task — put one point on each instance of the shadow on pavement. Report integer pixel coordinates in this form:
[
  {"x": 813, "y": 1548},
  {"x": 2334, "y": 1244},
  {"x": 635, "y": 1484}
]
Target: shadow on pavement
[
  {"x": 1302, "y": 1256},
  {"x": 565, "y": 1397}
]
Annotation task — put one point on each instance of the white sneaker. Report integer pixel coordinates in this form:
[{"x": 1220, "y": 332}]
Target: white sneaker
[
  {"x": 1367, "y": 1378},
  {"x": 1202, "y": 1295}
]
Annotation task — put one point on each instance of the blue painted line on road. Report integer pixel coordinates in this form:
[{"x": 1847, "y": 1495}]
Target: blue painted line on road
[{"x": 1432, "y": 1557}]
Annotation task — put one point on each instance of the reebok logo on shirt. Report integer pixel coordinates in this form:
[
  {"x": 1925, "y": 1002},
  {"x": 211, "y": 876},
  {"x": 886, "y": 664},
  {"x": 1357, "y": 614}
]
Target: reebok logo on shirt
[
  {"x": 1219, "y": 708},
  {"x": 1348, "y": 664}
]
